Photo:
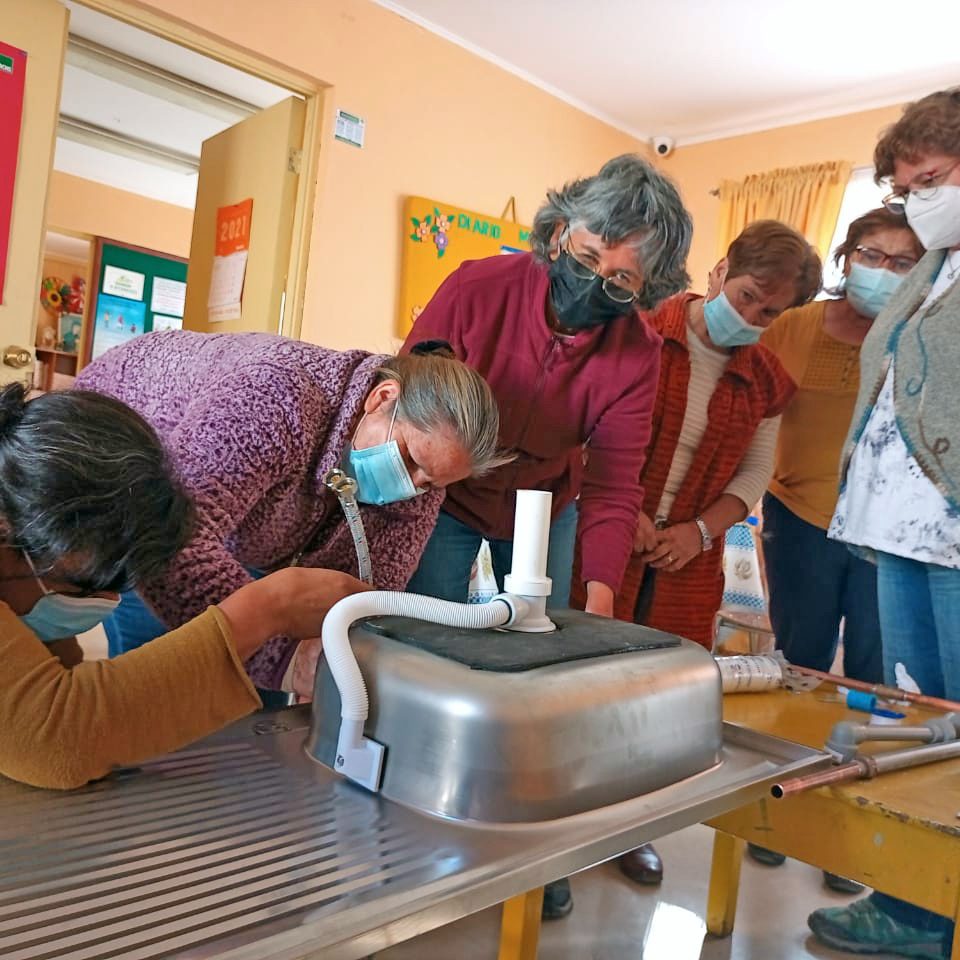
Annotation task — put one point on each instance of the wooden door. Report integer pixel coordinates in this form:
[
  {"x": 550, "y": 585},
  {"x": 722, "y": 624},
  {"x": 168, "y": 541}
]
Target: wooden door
[
  {"x": 38, "y": 28},
  {"x": 259, "y": 160}
]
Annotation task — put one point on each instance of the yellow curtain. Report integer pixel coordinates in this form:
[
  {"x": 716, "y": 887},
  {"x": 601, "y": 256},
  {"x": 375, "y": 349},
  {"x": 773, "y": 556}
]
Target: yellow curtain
[{"x": 806, "y": 198}]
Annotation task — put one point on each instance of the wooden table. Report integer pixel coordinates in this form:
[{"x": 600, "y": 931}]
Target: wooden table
[{"x": 899, "y": 833}]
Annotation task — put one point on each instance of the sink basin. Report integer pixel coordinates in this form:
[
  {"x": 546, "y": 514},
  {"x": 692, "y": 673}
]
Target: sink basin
[{"x": 494, "y": 726}]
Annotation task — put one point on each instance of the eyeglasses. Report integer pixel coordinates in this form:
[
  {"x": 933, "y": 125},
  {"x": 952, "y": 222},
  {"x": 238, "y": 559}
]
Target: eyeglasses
[
  {"x": 871, "y": 257},
  {"x": 77, "y": 588},
  {"x": 616, "y": 292},
  {"x": 896, "y": 202}
]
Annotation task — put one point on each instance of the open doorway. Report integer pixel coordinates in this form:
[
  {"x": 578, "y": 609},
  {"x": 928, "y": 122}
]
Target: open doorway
[
  {"x": 139, "y": 113},
  {"x": 61, "y": 308}
]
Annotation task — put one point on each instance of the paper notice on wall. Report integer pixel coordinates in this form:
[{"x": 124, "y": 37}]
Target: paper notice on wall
[
  {"x": 168, "y": 296},
  {"x": 226, "y": 287},
  {"x": 225, "y": 299},
  {"x": 119, "y": 282}
]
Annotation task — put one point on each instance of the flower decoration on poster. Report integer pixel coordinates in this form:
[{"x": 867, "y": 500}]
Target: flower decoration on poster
[
  {"x": 54, "y": 294},
  {"x": 77, "y": 298},
  {"x": 435, "y": 226}
]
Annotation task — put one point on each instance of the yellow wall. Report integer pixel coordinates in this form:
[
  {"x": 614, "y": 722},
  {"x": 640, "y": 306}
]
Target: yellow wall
[
  {"x": 440, "y": 123},
  {"x": 698, "y": 169},
  {"x": 83, "y": 206},
  {"x": 39, "y": 28}
]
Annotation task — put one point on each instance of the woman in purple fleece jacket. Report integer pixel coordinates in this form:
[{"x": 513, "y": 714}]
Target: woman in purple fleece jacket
[{"x": 254, "y": 423}]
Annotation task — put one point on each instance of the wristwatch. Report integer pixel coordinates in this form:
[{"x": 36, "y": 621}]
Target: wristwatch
[{"x": 706, "y": 541}]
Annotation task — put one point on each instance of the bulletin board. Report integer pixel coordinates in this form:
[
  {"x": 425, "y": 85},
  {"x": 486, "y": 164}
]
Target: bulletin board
[
  {"x": 437, "y": 238},
  {"x": 135, "y": 291}
]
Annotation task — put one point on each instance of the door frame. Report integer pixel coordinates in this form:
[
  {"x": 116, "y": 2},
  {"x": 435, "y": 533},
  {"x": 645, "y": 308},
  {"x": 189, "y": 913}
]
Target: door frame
[{"x": 317, "y": 117}]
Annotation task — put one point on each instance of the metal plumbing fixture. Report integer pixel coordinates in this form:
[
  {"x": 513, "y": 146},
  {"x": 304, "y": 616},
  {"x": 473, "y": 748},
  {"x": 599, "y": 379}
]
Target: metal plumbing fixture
[
  {"x": 523, "y": 609},
  {"x": 358, "y": 757},
  {"x": 846, "y": 736},
  {"x": 866, "y": 768},
  {"x": 881, "y": 690}
]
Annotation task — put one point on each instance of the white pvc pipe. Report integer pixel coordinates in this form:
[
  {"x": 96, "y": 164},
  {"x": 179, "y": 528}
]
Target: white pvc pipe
[
  {"x": 531, "y": 539},
  {"x": 336, "y": 632},
  {"x": 522, "y": 608},
  {"x": 359, "y": 758},
  {"x": 528, "y": 572}
]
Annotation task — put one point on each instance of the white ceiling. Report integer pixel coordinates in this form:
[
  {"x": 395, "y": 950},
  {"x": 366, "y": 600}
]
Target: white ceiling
[
  {"x": 698, "y": 70},
  {"x": 66, "y": 247},
  {"x": 166, "y": 119}
]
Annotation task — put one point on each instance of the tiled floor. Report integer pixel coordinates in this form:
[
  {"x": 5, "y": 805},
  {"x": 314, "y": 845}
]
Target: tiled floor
[{"x": 615, "y": 920}]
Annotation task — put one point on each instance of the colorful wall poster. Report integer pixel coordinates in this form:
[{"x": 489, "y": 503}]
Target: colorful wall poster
[
  {"x": 437, "y": 238},
  {"x": 13, "y": 73},
  {"x": 71, "y": 326},
  {"x": 118, "y": 321}
]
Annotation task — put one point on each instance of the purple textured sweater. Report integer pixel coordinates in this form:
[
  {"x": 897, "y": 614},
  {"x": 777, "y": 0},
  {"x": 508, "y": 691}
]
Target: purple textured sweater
[{"x": 253, "y": 423}]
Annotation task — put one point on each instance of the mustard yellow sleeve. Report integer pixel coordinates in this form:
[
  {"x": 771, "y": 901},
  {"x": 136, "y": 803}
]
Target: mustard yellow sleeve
[
  {"x": 62, "y": 728},
  {"x": 772, "y": 338}
]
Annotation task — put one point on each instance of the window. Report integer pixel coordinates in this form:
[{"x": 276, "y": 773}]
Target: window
[{"x": 861, "y": 195}]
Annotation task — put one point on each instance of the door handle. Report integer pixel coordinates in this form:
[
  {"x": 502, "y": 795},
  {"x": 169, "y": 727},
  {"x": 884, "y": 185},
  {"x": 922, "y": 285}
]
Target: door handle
[{"x": 17, "y": 357}]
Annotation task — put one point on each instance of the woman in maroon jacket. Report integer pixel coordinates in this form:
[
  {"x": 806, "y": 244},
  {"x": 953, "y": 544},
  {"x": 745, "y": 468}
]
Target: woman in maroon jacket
[{"x": 557, "y": 335}]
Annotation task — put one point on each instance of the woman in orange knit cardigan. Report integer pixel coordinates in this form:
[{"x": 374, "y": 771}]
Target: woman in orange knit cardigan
[{"x": 715, "y": 422}]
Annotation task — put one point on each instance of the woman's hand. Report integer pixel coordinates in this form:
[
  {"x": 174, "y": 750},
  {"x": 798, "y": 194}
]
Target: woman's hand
[
  {"x": 304, "y": 668},
  {"x": 676, "y": 546},
  {"x": 307, "y": 596},
  {"x": 645, "y": 538},
  {"x": 291, "y": 602}
]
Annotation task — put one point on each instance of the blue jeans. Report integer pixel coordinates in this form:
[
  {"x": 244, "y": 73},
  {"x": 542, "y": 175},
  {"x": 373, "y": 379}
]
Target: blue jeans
[
  {"x": 444, "y": 569},
  {"x": 814, "y": 583},
  {"x": 133, "y": 624},
  {"x": 919, "y": 612}
]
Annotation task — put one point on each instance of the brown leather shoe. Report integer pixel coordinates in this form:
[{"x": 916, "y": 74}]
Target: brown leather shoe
[{"x": 642, "y": 865}]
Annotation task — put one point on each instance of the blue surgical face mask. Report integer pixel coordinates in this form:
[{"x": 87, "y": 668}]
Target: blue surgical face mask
[
  {"x": 725, "y": 326},
  {"x": 869, "y": 288},
  {"x": 56, "y": 616},
  {"x": 382, "y": 476}
]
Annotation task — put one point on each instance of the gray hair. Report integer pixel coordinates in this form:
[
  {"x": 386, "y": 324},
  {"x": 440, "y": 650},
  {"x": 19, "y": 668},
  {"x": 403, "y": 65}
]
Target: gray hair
[
  {"x": 87, "y": 488},
  {"x": 628, "y": 201},
  {"x": 439, "y": 393}
]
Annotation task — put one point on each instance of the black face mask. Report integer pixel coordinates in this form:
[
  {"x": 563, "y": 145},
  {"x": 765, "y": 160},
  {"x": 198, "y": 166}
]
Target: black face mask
[{"x": 581, "y": 304}]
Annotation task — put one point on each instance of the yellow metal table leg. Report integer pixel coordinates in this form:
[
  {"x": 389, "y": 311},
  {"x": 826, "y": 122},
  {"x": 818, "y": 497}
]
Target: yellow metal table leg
[
  {"x": 520, "y": 926},
  {"x": 955, "y": 948},
  {"x": 724, "y": 883}
]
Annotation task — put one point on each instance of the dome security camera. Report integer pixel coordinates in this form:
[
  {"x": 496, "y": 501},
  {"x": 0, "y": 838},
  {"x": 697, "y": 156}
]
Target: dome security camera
[{"x": 663, "y": 146}]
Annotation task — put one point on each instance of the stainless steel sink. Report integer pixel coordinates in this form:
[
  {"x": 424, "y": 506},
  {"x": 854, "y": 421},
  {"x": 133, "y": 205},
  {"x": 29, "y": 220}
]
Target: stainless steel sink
[
  {"x": 242, "y": 847},
  {"x": 493, "y": 726}
]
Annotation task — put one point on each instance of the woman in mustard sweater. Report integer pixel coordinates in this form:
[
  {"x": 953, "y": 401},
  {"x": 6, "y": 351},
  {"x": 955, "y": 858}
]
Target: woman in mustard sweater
[
  {"x": 89, "y": 507},
  {"x": 815, "y": 582}
]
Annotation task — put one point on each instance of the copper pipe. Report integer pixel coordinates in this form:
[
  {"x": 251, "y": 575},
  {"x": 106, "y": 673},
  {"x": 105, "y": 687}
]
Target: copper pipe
[
  {"x": 855, "y": 770},
  {"x": 866, "y": 768},
  {"x": 887, "y": 693}
]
